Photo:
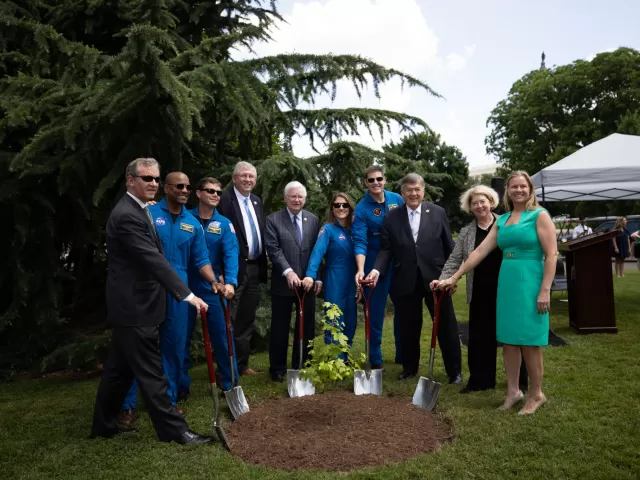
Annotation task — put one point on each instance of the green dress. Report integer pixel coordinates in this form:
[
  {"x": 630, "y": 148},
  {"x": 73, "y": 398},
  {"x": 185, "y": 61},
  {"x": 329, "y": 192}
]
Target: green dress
[{"x": 517, "y": 319}]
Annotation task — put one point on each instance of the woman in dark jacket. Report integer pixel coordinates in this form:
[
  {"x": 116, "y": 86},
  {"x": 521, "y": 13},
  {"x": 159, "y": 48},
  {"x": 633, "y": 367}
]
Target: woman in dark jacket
[{"x": 482, "y": 289}]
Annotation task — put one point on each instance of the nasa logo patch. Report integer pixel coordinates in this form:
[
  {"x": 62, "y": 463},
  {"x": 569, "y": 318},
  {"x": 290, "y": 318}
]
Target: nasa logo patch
[
  {"x": 342, "y": 237},
  {"x": 161, "y": 221},
  {"x": 377, "y": 212}
]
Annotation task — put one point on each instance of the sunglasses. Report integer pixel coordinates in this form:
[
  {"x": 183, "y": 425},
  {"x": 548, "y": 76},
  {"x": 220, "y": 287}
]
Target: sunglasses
[
  {"x": 375, "y": 179},
  {"x": 148, "y": 178},
  {"x": 211, "y": 191},
  {"x": 180, "y": 186},
  {"x": 341, "y": 205}
]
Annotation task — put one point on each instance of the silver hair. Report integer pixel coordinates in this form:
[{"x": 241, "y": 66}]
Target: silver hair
[
  {"x": 132, "y": 168},
  {"x": 467, "y": 197},
  {"x": 410, "y": 179},
  {"x": 291, "y": 185},
  {"x": 242, "y": 166}
]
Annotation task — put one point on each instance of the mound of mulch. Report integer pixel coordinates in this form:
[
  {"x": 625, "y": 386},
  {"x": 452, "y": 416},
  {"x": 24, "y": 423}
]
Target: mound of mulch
[{"x": 335, "y": 431}]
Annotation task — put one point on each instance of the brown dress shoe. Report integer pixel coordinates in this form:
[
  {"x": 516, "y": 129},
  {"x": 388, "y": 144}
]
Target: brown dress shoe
[
  {"x": 178, "y": 410},
  {"x": 127, "y": 418},
  {"x": 250, "y": 371}
]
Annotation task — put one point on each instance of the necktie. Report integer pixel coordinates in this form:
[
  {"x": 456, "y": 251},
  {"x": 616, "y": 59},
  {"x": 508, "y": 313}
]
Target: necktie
[
  {"x": 150, "y": 217},
  {"x": 414, "y": 227},
  {"x": 255, "y": 247},
  {"x": 297, "y": 230}
]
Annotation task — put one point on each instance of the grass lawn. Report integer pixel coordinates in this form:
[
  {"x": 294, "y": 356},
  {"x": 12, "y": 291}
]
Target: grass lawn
[{"x": 589, "y": 429}]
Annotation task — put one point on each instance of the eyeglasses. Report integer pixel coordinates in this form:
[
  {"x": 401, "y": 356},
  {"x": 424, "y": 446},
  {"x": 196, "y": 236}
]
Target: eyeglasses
[
  {"x": 341, "y": 205},
  {"x": 211, "y": 191},
  {"x": 180, "y": 186},
  {"x": 147, "y": 178},
  {"x": 375, "y": 179}
]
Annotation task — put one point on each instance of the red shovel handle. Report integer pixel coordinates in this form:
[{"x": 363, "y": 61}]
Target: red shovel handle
[
  {"x": 370, "y": 284},
  {"x": 437, "y": 301},
  {"x": 301, "y": 303},
  {"x": 207, "y": 346}
]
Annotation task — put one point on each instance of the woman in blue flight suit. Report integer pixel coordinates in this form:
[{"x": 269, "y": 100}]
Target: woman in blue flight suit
[
  {"x": 335, "y": 245},
  {"x": 223, "y": 252}
]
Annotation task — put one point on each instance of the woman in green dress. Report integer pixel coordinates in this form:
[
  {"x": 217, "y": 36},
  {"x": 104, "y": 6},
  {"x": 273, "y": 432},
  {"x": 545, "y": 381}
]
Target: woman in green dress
[{"x": 527, "y": 237}]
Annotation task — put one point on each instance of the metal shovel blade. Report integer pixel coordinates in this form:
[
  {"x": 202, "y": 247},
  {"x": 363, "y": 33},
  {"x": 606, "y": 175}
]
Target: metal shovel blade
[
  {"x": 298, "y": 387},
  {"x": 367, "y": 383},
  {"x": 237, "y": 402},
  {"x": 426, "y": 394}
]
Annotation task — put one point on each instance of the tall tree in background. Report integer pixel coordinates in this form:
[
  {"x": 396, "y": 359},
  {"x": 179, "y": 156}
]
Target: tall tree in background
[
  {"x": 88, "y": 86},
  {"x": 551, "y": 113},
  {"x": 444, "y": 167}
]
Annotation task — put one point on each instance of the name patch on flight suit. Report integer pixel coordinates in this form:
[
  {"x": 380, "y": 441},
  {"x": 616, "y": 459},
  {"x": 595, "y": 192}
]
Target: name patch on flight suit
[
  {"x": 186, "y": 227},
  {"x": 377, "y": 212},
  {"x": 213, "y": 229}
]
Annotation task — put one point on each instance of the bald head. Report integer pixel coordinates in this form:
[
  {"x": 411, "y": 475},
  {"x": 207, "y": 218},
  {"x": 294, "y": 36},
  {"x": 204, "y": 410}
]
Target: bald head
[
  {"x": 176, "y": 177},
  {"x": 177, "y": 188}
]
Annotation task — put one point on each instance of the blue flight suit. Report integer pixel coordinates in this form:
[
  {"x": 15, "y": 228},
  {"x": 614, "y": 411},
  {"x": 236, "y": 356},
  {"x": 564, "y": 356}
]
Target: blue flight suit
[
  {"x": 183, "y": 244},
  {"x": 335, "y": 245},
  {"x": 223, "y": 249},
  {"x": 367, "y": 225}
]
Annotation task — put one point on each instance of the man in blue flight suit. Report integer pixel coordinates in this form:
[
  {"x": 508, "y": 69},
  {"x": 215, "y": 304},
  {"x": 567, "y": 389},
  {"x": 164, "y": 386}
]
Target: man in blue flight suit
[
  {"x": 222, "y": 245},
  {"x": 367, "y": 224},
  {"x": 183, "y": 243}
]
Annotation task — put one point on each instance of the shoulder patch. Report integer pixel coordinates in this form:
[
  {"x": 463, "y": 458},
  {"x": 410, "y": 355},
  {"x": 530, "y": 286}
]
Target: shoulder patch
[
  {"x": 377, "y": 212},
  {"x": 321, "y": 231},
  {"x": 186, "y": 227},
  {"x": 392, "y": 206},
  {"x": 231, "y": 228}
]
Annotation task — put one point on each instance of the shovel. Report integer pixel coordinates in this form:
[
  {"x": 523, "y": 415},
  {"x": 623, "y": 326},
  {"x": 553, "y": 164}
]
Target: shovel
[
  {"x": 217, "y": 427},
  {"x": 367, "y": 381},
  {"x": 426, "y": 394},
  {"x": 299, "y": 387},
  {"x": 235, "y": 395}
]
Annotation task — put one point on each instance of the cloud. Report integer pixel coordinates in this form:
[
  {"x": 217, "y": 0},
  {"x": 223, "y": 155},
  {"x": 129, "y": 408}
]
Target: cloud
[{"x": 393, "y": 33}]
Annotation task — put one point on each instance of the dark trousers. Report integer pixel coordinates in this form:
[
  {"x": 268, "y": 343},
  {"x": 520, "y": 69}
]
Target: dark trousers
[
  {"x": 483, "y": 347},
  {"x": 280, "y": 326},
  {"x": 410, "y": 322},
  {"x": 243, "y": 314},
  {"x": 135, "y": 354}
]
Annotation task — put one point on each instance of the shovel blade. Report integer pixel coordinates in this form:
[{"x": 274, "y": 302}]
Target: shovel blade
[
  {"x": 298, "y": 387},
  {"x": 426, "y": 394},
  {"x": 367, "y": 383},
  {"x": 237, "y": 402}
]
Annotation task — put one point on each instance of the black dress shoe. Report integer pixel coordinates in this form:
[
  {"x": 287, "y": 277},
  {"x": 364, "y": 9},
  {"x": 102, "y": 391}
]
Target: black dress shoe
[
  {"x": 406, "y": 376},
  {"x": 457, "y": 380},
  {"x": 192, "y": 437},
  {"x": 277, "y": 377}
]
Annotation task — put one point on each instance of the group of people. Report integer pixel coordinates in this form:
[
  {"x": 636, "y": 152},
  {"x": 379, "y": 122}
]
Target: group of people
[{"x": 161, "y": 255}]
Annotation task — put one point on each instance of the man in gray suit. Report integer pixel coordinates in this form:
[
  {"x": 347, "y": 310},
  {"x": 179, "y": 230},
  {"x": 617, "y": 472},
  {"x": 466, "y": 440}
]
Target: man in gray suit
[{"x": 289, "y": 237}]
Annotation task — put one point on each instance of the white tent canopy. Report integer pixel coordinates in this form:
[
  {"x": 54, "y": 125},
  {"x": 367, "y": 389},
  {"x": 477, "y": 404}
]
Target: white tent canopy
[{"x": 608, "y": 169}]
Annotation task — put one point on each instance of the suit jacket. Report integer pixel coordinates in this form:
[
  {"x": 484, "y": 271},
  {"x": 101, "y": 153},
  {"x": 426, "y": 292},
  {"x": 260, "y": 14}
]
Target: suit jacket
[
  {"x": 465, "y": 244},
  {"x": 138, "y": 275},
  {"x": 284, "y": 250},
  {"x": 429, "y": 253},
  {"x": 230, "y": 208}
]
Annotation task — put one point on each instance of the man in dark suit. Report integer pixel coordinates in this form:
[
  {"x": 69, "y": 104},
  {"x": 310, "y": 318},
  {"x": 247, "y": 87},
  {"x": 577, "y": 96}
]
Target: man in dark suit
[
  {"x": 244, "y": 209},
  {"x": 417, "y": 237},
  {"x": 138, "y": 280},
  {"x": 290, "y": 236}
]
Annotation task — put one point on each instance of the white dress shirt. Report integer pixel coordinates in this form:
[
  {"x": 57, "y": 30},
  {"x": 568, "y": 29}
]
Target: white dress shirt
[
  {"x": 144, "y": 207},
  {"x": 581, "y": 230},
  {"x": 247, "y": 225}
]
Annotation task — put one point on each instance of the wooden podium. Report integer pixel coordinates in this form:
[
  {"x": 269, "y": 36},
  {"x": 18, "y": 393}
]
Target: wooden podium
[{"x": 590, "y": 283}]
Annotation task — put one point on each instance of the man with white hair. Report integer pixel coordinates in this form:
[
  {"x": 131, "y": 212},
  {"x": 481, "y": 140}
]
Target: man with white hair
[
  {"x": 290, "y": 237},
  {"x": 244, "y": 209}
]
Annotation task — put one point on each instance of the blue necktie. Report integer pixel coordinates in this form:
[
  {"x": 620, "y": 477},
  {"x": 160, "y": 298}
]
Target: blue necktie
[
  {"x": 297, "y": 230},
  {"x": 255, "y": 251}
]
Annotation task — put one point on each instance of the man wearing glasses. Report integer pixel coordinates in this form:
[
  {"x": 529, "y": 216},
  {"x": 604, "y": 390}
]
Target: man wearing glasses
[
  {"x": 244, "y": 209},
  {"x": 138, "y": 280},
  {"x": 183, "y": 244},
  {"x": 367, "y": 225},
  {"x": 222, "y": 245}
]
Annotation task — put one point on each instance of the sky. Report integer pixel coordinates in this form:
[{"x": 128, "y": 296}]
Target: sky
[{"x": 469, "y": 51}]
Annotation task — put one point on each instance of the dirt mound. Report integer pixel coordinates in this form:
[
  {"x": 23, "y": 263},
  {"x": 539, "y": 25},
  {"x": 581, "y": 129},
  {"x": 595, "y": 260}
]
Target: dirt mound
[{"x": 335, "y": 431}]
